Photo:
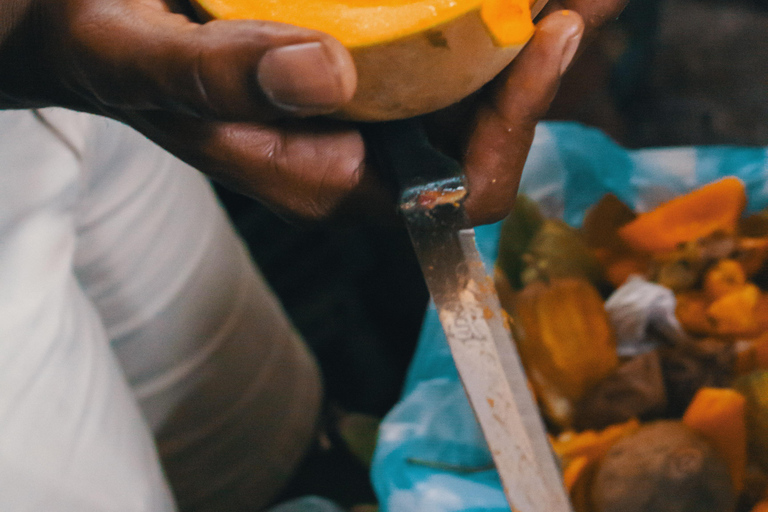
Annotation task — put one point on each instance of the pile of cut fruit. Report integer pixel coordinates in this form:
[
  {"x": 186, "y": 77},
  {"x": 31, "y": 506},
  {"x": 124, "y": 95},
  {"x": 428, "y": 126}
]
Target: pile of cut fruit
[{"x": 645, "y": 340}]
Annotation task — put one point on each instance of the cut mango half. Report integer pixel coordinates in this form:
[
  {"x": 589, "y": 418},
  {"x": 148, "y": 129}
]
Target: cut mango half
[
  {"x": 412, "y": 56},
  {"x": 369, "y": 22}
]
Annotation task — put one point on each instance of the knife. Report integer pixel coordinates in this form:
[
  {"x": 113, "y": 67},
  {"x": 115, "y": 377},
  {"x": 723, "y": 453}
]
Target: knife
[{"x": 431, "y": 201}]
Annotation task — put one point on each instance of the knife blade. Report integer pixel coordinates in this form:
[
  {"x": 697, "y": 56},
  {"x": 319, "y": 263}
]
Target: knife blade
[{"x": 432, "y": 203}]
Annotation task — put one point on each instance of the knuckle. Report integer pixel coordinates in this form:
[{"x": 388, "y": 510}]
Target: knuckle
[
  {"x": 199, "y": 89},
  {"x": 276, "y": 156},
  {"x": 338, "y": 178},
  {"x": 318, "y": 178}
]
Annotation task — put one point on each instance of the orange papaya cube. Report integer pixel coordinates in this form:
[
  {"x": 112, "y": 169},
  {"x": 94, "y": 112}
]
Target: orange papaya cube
[
  {"x": 725, "y": 277},
  {"x": 734, "y": 313},
  {"x": 714, "y": 207},
  {"x": 691, "y": 311},
  {"x": 719, "y": 416},
  {"x": 573, "y": 471},
  {"x": 592, "y": 444}
]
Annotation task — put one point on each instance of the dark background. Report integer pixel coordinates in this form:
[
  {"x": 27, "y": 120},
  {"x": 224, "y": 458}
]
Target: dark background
[{"x": 667, "y": 72}]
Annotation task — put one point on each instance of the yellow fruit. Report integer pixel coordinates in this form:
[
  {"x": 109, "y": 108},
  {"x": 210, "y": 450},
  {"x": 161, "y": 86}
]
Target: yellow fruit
[
  {"x": 565, "y": 340},
  {"x": 713, "y": 207},
  {"x": 718, "y": 414},
  {"x": 412, "y": 56}
]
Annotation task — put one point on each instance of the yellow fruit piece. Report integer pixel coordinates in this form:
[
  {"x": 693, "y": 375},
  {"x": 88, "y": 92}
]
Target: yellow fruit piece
[
  {"x": 509, "y": 21},
  {"x": 590, "y": 443},
  {"x": 714, "y": 207},
  {"x": 573, "y": 471},
  {"x": 691, "y": 310},
  {"x": 734, "y": 313},
  {"x": 725, "y": 277},
  {"x": 565, "y": 340},
  {"x": 412, "y": 56},
  {"x": 719, "y": 416},
  {"x": 581, "y": 454}
]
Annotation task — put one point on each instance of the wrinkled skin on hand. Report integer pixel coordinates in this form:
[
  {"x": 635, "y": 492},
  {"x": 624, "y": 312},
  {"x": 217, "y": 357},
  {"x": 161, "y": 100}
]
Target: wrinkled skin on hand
[{"x": 231, "y": 97}]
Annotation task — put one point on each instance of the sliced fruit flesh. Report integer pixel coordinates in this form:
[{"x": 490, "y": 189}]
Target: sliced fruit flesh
[
  {"x": 508, "y": 21},
  {"x": 359, "y": 23}
]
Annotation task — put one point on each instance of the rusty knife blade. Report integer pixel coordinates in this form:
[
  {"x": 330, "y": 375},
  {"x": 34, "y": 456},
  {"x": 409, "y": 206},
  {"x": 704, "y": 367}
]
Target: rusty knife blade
[
  {"x": 482, "y": 347},
  {"x": 432, "y": 204}
]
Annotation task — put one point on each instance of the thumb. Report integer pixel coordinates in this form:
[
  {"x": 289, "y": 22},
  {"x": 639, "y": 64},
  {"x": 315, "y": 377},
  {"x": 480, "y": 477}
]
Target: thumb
[
  {"x": 505, "y": 125},
  {"x": 137, "y": 55}
]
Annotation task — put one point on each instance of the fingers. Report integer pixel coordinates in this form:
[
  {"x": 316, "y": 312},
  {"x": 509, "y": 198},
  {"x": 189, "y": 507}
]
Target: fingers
[
  {"x": 135, "y": 54},
  {"x": 595, "y": 14},
  {"x": 498, "y": 147},
  {"x": 301, "y": 169}
]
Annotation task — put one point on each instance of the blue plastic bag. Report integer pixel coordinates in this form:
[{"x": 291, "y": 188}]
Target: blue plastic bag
[{"x": 431, "y": 456}]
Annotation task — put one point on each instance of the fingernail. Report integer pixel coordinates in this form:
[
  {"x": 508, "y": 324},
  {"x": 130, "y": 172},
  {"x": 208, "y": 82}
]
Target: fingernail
[
  {"x": 302, "y": 77},
  {"x": 571, "y": 46}
]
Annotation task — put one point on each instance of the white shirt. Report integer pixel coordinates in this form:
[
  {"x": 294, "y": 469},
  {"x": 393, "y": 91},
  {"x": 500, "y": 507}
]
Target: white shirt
[{"x": 129, "y": 310}]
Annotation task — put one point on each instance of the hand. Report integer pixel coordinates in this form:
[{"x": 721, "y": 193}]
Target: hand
[
  {"x": 226, "y": 97},
  {"x": 501, "y": 120},
  {"x": 231, "y": 98}
]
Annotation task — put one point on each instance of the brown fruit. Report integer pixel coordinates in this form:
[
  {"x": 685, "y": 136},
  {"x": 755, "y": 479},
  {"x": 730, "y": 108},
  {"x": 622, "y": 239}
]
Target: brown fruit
[{"x": 663, "y": 467}]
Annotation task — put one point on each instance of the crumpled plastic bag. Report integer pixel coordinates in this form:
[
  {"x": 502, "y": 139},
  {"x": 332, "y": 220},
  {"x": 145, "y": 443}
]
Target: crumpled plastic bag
[
  {"x": 643, "y": 316},
  {"x": 431, "y": 456}
]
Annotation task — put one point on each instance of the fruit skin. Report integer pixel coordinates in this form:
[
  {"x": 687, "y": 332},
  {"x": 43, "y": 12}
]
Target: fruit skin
[
  {"x": 663, "y": 467},
  {"x": 424, "y": 71}
]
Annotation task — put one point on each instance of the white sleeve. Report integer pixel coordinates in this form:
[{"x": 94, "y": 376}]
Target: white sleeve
[
  {"x": 223, "y": 379},
  {"x": 129, "y": 308},
  {"x": 71, "y": 436}
]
